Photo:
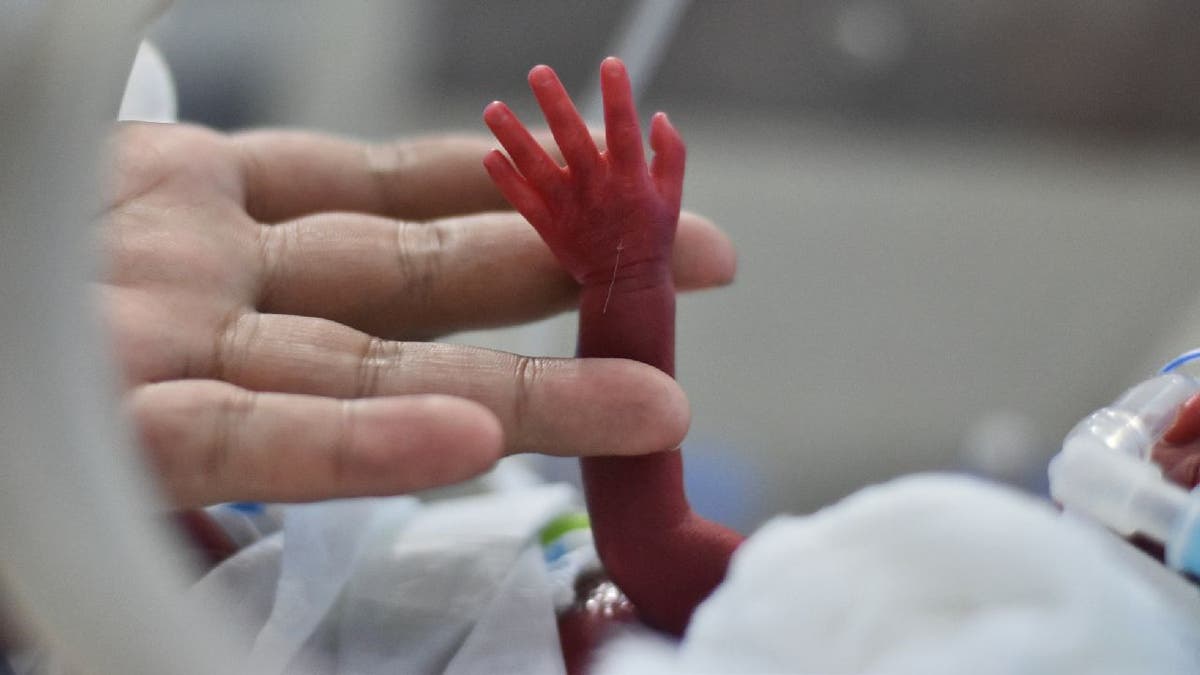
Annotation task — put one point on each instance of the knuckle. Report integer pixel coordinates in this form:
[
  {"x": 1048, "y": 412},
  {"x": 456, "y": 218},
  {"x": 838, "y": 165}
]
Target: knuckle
[
  {"x": 233, "y": 337},
  {"x": 376, "y": 358},
  {"x": 419, "y": 251},
  {"x": 156, "y": 429},
  {"x": 274, "y": 245},
  {"x": 342, "y": 450},
  {"x": 527, "y": 376},
  {"x": 234, "y": 409},
  {"x": 389, "y": 164},
  {"x": 148, "y": 155}
]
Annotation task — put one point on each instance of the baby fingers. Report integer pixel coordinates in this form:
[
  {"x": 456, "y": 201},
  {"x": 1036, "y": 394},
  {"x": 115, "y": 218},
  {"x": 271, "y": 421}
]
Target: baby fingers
[
  {"x": 529, "y": 157},
  {"x": 523, "y": 197},
  {"x": 570, "y": 132},
  {"x": 620, "y": 118},
  {"x": 670, "y": 155}
]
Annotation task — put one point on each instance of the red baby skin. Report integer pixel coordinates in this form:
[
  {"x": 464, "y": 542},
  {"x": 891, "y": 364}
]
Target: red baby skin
[
  {"x": 1179, "y": 453},
  {"x": 610, "y": 220}
]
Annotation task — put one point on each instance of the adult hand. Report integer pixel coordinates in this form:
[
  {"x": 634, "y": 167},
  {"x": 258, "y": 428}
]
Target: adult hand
[{"x": 262, "y": 289}]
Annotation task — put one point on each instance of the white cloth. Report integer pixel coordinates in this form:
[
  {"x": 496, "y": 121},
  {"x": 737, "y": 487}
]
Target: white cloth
[
  {"x": 398, "y": 586},
  {"x": 934, "y": 575},
  {"x": 150, "y": 89}
]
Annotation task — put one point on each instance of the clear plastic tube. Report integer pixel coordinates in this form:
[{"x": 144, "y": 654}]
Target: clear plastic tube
[
  {"x": 1127, "y": 495},
  {"x": 1104, "y": 470},
  {"x": 1138, "y": 419}
]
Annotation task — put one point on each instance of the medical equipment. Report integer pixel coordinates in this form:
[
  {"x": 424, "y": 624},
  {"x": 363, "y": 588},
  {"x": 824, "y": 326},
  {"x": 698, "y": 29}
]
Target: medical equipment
[
  {"x": 76, "y": 532},
  {"x": 1105, "y": 472}
]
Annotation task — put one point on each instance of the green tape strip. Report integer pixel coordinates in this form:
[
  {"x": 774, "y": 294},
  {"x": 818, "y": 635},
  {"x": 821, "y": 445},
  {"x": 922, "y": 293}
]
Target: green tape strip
[{"x": 563, "y": 524}]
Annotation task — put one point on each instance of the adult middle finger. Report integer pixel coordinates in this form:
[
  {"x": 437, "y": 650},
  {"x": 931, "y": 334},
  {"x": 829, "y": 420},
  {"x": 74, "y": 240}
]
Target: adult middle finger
[{"x": 406, "y": 280}]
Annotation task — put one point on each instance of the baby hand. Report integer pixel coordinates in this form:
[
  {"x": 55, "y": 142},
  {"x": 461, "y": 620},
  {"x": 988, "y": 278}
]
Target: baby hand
[{"x": 607, "y": 219}]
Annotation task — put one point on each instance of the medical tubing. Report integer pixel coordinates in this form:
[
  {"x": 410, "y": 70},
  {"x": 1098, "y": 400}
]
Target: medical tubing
[
  {"x": 1186, "y": 357},
  {"x": 1104, "y": 470},
  {"x": 1126, "y": 494},
  {"x": 1139, "y": 419},
  {"x": 1183, "y": 547}
]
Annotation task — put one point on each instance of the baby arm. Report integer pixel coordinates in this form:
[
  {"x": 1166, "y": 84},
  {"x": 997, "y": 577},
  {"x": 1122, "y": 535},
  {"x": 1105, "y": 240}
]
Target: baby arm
[{"x": 610, "y": 221}]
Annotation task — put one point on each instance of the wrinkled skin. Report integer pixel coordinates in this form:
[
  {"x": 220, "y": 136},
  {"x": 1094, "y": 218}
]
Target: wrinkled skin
[
  {"x": 604, "y": 211},
  {"x": 269, "y": 295}
]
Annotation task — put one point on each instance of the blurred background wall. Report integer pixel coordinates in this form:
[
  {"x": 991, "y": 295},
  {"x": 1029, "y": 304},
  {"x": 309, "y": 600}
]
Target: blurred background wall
[{"x": 961, "y": 225}]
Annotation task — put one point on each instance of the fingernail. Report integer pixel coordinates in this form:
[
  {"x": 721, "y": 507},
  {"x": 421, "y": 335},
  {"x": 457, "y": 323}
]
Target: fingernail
[{"x": 541, "y": 73}]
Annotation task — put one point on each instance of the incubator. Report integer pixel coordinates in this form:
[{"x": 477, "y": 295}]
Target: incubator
[
  {"x": 1105, "y": 472},
  {"x": 103, "y": 579}
]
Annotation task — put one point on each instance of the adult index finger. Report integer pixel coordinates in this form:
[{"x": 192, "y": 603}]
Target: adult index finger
[{"x": 546, "y": 405}]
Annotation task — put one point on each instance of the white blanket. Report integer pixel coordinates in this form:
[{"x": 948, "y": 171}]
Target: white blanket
[
  {"x": 383, "y": 586},
  {"x": 934, "y": 575}
]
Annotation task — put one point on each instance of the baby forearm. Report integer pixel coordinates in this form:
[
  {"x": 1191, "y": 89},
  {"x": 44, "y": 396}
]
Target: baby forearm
[
  {"x": 663, "y": 556},
  {"x": 629, "y": 319},
  {"x": 654, "y": 547}
]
